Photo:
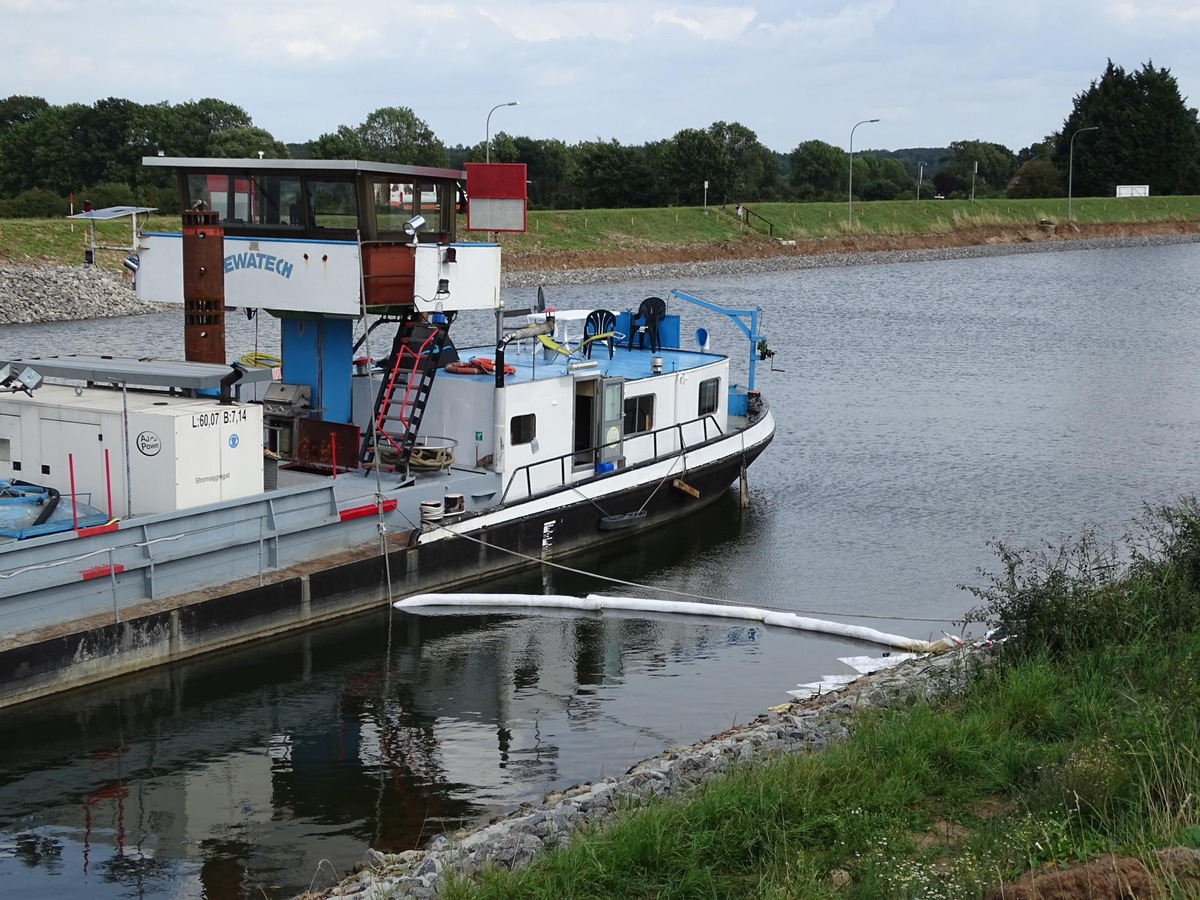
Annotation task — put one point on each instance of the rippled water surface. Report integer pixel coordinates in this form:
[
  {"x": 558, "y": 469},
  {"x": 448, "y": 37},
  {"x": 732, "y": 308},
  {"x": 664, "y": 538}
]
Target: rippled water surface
[{"x": 924, "y": 409}]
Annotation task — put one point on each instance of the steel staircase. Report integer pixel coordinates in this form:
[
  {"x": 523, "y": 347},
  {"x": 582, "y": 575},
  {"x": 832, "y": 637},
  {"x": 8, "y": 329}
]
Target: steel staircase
[{"x": 404, "y": 393}]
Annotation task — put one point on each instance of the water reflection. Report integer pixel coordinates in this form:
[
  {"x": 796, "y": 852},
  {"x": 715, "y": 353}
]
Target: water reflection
[{"x": 236, "y": 775}]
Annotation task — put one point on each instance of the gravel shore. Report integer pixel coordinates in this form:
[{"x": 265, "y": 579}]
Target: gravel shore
[
  {"x": 30, "y": 293},
  {"x": 65, "y": 293}
]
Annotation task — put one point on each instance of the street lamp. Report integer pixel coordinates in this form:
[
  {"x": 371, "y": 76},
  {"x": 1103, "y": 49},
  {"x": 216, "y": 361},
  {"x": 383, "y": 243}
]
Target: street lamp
[
  {"x": 850, "y": 208},
  {"x": 1071, "y": 168},
  {"x": 920, "y": 176},
  {"x": 488, "y": 134}
]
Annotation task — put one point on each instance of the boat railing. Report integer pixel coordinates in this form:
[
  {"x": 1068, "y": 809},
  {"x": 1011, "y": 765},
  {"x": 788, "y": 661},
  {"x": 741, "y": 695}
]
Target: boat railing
[{"x": 665, "y": 442}]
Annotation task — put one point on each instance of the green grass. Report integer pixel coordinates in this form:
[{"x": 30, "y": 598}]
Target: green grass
[
  {"x": 1061, "y": 750},
  {"x": 63, "y": 241},
  {"x": 808, "y": 220},
  {"x": 607, "y": 230}
]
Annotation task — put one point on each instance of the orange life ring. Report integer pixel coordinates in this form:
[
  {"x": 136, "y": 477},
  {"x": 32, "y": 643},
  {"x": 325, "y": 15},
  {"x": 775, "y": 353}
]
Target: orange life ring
[
  {"x": 489, "y": 366},
  {"x": 462, "y": 368}
]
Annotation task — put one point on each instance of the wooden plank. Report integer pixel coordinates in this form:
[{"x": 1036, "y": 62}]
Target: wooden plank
[{"x": 686, "y": 488}]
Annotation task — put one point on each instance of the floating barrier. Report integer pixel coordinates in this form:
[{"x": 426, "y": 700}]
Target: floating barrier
[{"x": 600, "y": 603}]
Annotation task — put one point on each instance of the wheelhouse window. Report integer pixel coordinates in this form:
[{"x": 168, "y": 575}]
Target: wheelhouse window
[
  {"x": 333, "y": 204},
  {"x": 259, "y": 201},
  {"x": 394, "y": 205},
  {"x": 710, "y": 396},
  {"x": 227, "y": 195},
  {"x": 522, "y": 429},
  {"x": 249, "y": 199},
  {"x": 639, "y": 414}
]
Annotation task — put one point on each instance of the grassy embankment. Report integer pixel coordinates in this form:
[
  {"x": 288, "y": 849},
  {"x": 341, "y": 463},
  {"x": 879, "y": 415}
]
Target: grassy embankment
[
  {"x": 691, "y": 233},
  {"x": 1080, "y": 742}
]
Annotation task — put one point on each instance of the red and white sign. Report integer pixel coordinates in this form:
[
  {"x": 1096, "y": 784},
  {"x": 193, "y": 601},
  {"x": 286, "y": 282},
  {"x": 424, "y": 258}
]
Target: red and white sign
[{"x": 497, "y": 197}]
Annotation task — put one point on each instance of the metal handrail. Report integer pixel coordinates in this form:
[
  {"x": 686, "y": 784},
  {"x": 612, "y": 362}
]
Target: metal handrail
[
  {"x": 748, "y": 213},
  {"x": 527, "y": 469}
]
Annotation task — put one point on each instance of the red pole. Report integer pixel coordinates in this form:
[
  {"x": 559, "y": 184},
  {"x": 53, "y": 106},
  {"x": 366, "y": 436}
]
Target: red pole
[
  {"x": 74, "y": 509},
  {"x": 333, "y": 451},
  {"x": 108, "y": 482}
]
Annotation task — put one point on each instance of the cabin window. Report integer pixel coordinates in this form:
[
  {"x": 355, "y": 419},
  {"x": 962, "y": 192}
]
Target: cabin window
[
  {"x": 333, "y": 204},
  {"x": 639, "y": 414},
  {"x": 225, "y": 194},
  {"x": 710, "y": 396},
  {"x": 276, "y": 201},
  {"x": 522, "y": 429},
  {"x": 394, "y": 205},
  {"x": 5, "y": 450}
]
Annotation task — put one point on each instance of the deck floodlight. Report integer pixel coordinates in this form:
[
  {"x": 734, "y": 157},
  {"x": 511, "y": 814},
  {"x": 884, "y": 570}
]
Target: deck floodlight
[
  {"x": 413, "y": 225},
  {"x": 7, "y": 373},
  {"x": 29, "y": 380}
]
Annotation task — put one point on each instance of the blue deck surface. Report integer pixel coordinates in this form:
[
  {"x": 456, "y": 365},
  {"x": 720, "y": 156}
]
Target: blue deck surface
[{"x": 532, "y": 362}]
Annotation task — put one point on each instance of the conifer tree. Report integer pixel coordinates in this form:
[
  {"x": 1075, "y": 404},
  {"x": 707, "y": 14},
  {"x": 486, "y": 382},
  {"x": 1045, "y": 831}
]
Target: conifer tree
[{"x": 1146, "y": 134}]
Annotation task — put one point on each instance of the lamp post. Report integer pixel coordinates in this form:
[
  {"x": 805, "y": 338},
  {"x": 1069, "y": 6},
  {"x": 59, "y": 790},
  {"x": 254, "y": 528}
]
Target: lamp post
[
  {"x": 1071, "y": 168},
  {"x": 920, "y": 176},
  {"x": 850, "y": 206},
  {"x": 488, "y": 133}
]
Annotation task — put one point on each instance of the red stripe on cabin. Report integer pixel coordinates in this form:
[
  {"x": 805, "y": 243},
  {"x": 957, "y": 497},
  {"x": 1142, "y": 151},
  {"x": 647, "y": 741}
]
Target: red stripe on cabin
[
  {"x": 101, "y": 571},
  {"x": 98, "y": 529},
  {"x": 357, "y": 512}
]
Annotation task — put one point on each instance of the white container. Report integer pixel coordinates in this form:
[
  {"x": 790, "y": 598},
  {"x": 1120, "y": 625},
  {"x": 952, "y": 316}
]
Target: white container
[{"x": 175, "y": 453}]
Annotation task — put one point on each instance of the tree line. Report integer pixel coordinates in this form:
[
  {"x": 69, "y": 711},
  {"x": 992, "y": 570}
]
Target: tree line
[{"x": 1125, "y": 128}]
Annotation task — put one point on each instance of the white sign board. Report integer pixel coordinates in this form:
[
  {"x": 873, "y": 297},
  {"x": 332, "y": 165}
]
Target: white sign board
[
  {"x": 485, "y": 214},
  {"x": 1133, "y": 190}
]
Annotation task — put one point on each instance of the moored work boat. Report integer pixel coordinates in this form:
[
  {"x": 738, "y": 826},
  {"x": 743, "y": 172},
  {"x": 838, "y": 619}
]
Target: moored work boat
[{"x": 377, "y": 459}]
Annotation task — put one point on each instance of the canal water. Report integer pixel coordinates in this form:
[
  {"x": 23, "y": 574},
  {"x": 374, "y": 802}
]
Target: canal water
[{"x": 925, "y": 409}]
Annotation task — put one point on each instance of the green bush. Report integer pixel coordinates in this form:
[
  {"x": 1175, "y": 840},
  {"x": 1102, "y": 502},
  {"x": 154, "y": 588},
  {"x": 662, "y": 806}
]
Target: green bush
[
  {"x": 1086, "y": 596},
  {"x": 163, "y": 199},
  {"x": 104, "y": 194},
  {"x": 36, "y": 203}
]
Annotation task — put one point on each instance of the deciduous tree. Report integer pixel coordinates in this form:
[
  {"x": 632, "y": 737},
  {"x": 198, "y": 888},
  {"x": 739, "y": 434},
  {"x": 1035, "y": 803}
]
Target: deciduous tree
[
  {"x": 345, "y": 143},
  {"x": 997, "y": 164},
  {"x": 691, "y": 158},
  {"x": 394, "y": 134},
  {"x": 818, "y": 170},
  {"x": 248, "y": 143},
  {"x": 608, "y": 175},
  {"x": 18, "y": 108},
  {"x": 1036, "y": 178}
]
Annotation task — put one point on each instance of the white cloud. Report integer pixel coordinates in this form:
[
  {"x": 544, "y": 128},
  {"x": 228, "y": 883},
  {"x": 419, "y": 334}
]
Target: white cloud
[
  {"x": 710, "y": 24},
  {"x": 1153, "y": 13},
  {"x": 543, "y": 23},
  {"x": 622, "y": 22},
  {"x": 847, "y": 25}
]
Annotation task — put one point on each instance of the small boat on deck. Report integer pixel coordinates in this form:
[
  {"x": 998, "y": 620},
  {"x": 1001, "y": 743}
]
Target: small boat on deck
[{"x": 376, "y": 458}]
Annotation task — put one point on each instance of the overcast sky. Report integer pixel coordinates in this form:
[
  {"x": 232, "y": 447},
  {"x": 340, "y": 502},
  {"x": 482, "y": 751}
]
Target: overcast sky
[{"x": 932, "y": 71}]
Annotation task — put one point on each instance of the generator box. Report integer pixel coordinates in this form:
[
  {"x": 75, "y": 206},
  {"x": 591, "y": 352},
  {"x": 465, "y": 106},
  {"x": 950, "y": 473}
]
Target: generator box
[{"x": 132, "y": 452}]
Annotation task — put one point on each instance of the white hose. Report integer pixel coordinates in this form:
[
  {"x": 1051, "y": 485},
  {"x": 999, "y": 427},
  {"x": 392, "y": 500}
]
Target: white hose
[{"x": 598, "y": 603}]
